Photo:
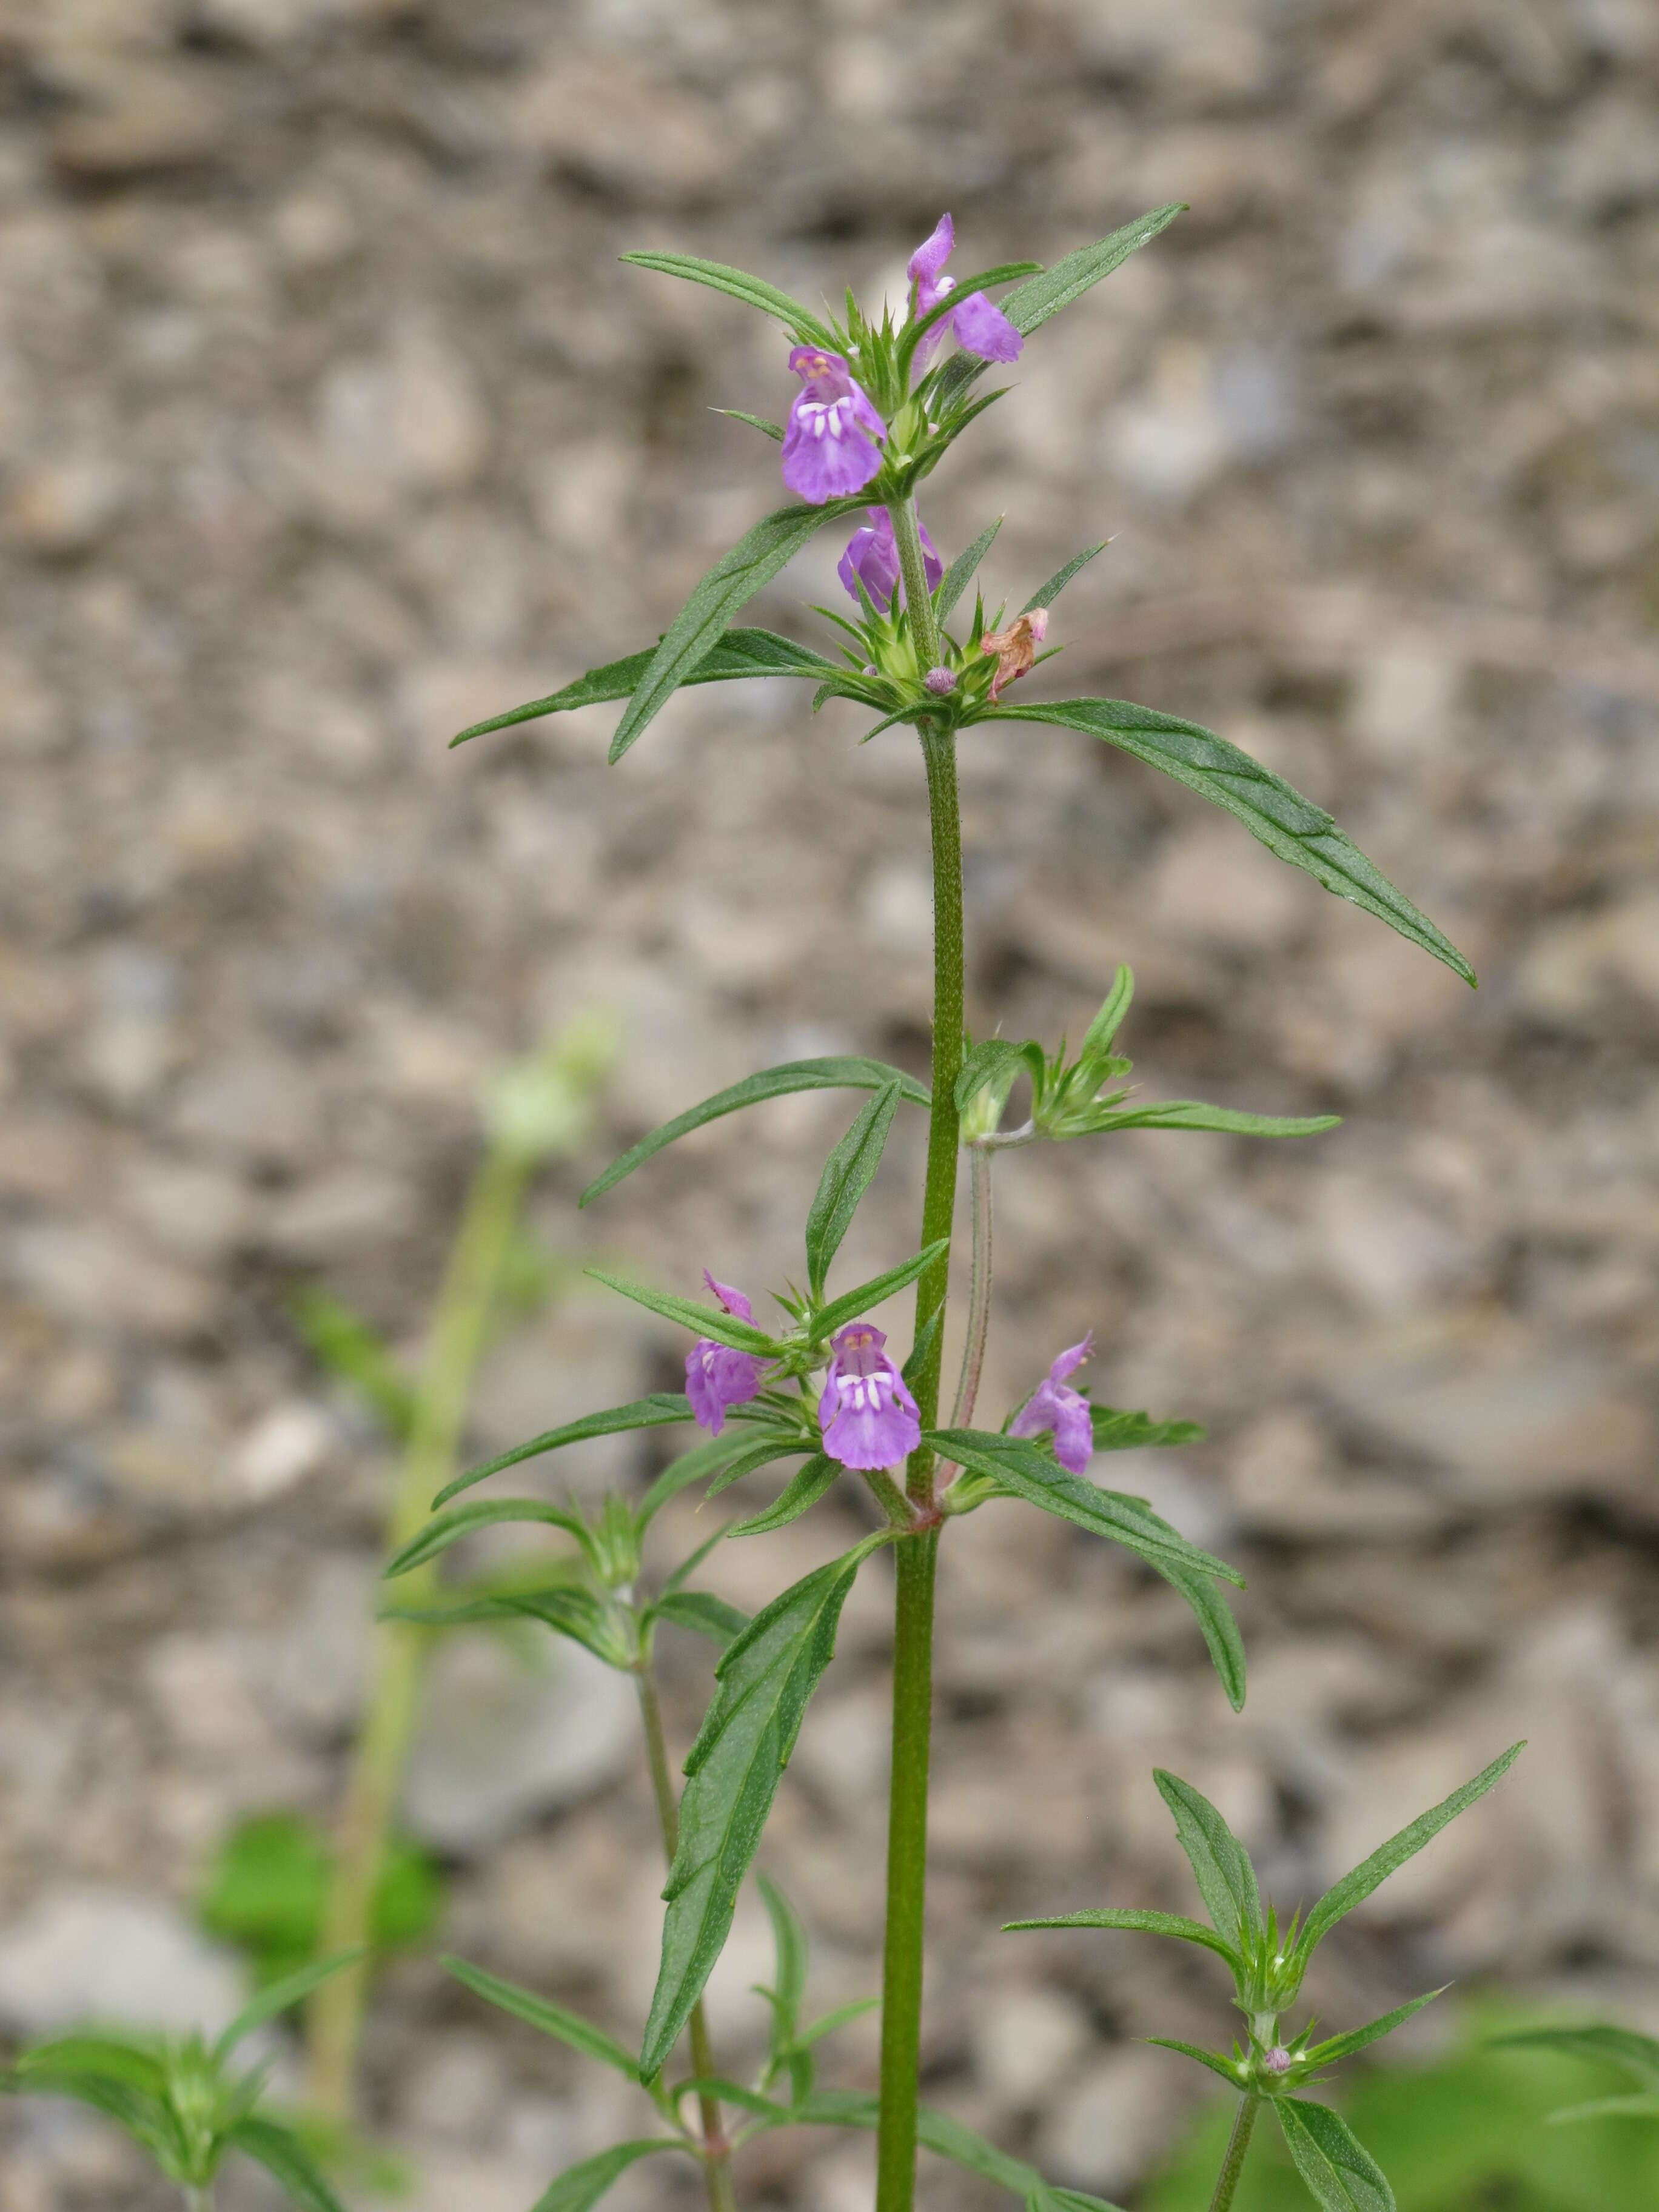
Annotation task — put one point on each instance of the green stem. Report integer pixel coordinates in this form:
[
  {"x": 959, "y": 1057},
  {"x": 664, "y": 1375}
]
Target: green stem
[
  {"x": 717, "y": 2151},
  {"x": 335, "y": 2016},
  {"x": 916, "y": 1558},
  {"x": 199, "y": 2200},
  {"x": 1237, "y": 2143}
]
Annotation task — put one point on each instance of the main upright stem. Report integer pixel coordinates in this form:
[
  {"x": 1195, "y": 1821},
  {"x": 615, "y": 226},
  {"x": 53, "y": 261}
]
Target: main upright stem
[
  {"x": 914, "y": 1557},
  {"x": 1237, "y": 2143}
]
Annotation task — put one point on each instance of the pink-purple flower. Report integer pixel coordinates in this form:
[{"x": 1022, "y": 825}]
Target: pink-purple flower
[
  {"x": 1053, "y": 1405},
  {"x": 868, "y": 1417},
  {"x": 976, "y": 326},
  {"x": 716, "y": 1377},
  {"x": 831, "y": 443},
  {"x": 873, "y": 555}
]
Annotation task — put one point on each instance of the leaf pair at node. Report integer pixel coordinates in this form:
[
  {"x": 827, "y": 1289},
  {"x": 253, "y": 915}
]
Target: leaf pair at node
[
  {"x": 179, "y": 2098},
  {"x": 1070, "y": 1098},
  {"x": 591, "y": 1598},
  {"x": 1268, "y": 1964}
]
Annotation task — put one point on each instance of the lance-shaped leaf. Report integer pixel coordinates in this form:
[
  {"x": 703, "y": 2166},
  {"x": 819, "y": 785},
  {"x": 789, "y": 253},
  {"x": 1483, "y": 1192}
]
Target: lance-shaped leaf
[
  {"x": 702, "y": 1460},
  {"x": 842, "y": 1071},
  {"x": 847, "y": 1174},
  {"x": 1640, "y": 2054},
  {"x": 278, "y": 1996},
  {"x": 446, "y": 1529},
  {"x": 805, "y": 1489},
  {"x": 1143, "y": 1922},
  {"x": 1635, "y": 2105},
  {"x": 1221, "y": 1866},
  {"x": 1030, "y": 1473},
  {"x": 1353, "y": 1888},
  {"x": 1335, "y": 2165},
  {"x": 659, "y": 1410},
  {"x": 577, "y": 1613},
  {"x": 1216, "y": 2061},
  {"x": 1116, "y": 1431},
  {"x": 753, "y": 291},
  {"x": 787, "y": 1994},
  {"x": 764, "y": 1679},
  {"x": 552, "y": 2020},
  {"x": 1030, "y": 305},
  {"x": 703, "y": 1613},
  {"x": 738, "y": 654},
  {"x": 582, "y": 2185},
  {"x": 851, "y": 1303},
  {"x": 1193, "y": 1114},
  {"x": 282, "y": 2155},
  {"x": 702, "y": 620},
  {"x": 1357, "y": 2038},
  {"x": 1046, "y": 594},
  {"x": 761, "y": 423},
  {"x": 704, "y": 1320},
  {"x": 1288, "y": 824},
  {"x": 1096, "y": 1048},
  {"x": 946, "y": 2138},
  {"x": 779, "y": 1444},
  {"x": 914, "y": 331},
  {"x": 1025, "y": 1469},
  {"x": 960, "y": 573}
]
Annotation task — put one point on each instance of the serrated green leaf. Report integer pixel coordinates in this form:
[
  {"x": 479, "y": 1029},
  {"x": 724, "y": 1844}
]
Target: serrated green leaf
[
  {"x": 1357, "y": 2038},
  {"x": 806, "y": 1487},
  {"x": 1193, "y": 1114},
  {"x": 753, "y": 291},
  {"x": 1623, "y": 2045},
  {"x": 847, "y": 1174},
  {"x": 277, "y": 1997},
  {"x": 703, "y": 1613},
  {"x": 582, "y": 2185},
  {"x": 764, "y": 1680},
  {"x": 550, "y": 2019},
  {"x": 1220, "y": 1864},
  {"x": 1355, "y": 1886},
  {"x": 773, "y": 430},
  {"x": 1330, "y": 2158},
  {"x": 661, "y": 1409},
  {"x": 960, "y": 573},
  {"x": 281, "y": 2154},
  {"x": 122, "y": 2061},
  {"x": 146, "y": 2118},
  {"x": 1289, "y": 826},
  {"x": 703, "y": 620},
  {"x": 851, "y": 1303},
  {"x": 1136, "y": 1920},
  {"x": 446, "y": 1529},
  {"x": 736, "y": 655},
  {"x": 1046, "y": 594},
  {"x": 702, "y": 1319},
  {"x": 1217, "y": 2061},
  {"x": 1116, "y": 1431},
  {"x": 843, "y": 1071},
  {"x": 1025, "y": 1468}
]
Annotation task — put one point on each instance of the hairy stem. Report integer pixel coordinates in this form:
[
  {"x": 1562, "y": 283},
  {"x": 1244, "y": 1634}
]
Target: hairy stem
[
  {"x": 1237, "y": 2143},
  {"x": 979, "y": 1295},
  {"x": 335, "y": 2016},
  {"x": 717, "y": 2160},
  {"x": 200, "y": 2199},
  {"x": 914, "y": 1557}
]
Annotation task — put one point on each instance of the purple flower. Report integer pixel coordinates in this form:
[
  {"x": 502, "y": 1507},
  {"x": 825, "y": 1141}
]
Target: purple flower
[
  {"x": 1278, "y": 2060},
  {"x": 830, "y": 446},
  {"x": 716, "y": 1375},
  {"x": 872, "y": 554},
  {"x": 940, "y": 681},
  {"x": 977, "y": 326},
  {"x": 868, "y": 1417},
  {"x": 1053, "y": 1405}
]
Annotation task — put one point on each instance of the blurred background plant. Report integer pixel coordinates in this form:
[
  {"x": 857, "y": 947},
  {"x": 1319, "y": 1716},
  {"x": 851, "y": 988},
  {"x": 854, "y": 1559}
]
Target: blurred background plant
[{"x": 279, "y": 1888}]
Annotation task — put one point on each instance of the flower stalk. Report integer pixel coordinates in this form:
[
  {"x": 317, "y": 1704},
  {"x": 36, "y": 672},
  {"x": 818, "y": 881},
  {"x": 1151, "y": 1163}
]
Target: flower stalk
[{"x": 979, "y": 1288}]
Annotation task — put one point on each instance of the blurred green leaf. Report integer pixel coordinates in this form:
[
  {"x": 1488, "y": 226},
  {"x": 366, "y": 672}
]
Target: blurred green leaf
[
  {"x": 550, "y": 2019},
  {"x": 341, "y": 1342},
  {"x": 268, "y": 1889}
]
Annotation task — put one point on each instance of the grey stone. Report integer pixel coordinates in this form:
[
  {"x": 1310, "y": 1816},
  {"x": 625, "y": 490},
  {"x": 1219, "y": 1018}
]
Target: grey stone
[{"x": 82, "y": 1954}]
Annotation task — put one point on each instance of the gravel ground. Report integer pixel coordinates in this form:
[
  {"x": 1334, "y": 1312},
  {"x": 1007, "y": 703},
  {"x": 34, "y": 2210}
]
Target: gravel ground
[{"x": 330, "y": 422}]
